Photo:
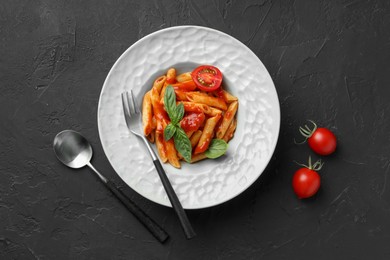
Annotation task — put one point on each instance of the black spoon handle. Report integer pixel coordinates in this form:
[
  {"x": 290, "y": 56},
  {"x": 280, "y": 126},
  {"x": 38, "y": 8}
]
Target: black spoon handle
[
  {"x": 185, "y": 223},
  {"x": 149, "y": 223}
]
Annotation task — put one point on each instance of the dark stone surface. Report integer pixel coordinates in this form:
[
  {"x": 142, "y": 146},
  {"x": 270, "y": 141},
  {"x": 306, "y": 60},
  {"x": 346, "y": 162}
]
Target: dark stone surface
[{"x": 329, "y": 62}]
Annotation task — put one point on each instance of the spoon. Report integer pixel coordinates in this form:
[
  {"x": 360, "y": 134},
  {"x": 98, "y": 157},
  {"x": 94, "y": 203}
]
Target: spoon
[{"x": 73, "y": 150}]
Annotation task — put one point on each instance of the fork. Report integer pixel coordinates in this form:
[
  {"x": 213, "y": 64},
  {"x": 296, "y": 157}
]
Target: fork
[{"x": 134, "y": 124}]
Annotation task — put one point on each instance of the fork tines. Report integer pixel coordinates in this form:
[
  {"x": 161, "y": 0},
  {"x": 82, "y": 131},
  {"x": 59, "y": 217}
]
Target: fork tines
[{"x": 129, "y": 103}]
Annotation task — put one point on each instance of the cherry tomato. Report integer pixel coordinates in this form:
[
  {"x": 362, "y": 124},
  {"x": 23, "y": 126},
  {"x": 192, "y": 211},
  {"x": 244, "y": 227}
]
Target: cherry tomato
[
  {"x": 192, "y": 121},
  {"x": 207, "y": 78},
  {"x": 321, "y": 140},
  {"x": 306, "y": 183}
]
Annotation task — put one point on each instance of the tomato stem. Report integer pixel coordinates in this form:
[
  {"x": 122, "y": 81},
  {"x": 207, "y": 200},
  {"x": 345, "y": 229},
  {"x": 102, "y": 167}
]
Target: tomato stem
[
  {"x": 306, "y": 132},
  {"x": 315, "y": 167},
  {"x": 301, "y": 164}
]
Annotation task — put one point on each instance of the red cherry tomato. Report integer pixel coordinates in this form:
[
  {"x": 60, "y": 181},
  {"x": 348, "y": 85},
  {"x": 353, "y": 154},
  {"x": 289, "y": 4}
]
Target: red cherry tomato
[
  {"x": 321, "y": 140},
  {"x": 192, "y": 121},
  {"x": 306, "y": 183},
  {"x": 207, "y": 78}
]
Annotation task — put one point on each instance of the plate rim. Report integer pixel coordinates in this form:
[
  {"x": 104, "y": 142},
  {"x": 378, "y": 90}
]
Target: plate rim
[{"x": 273, "y": 146}]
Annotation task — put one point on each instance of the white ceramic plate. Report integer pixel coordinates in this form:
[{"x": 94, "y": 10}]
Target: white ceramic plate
[{"x": 209, "y": 182}]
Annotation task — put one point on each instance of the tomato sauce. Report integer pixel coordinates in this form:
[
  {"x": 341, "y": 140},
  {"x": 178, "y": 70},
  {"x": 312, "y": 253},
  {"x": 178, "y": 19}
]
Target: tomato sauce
[
  {"x": 160, "y": 113},
  {"x": 161, "y": 116}
]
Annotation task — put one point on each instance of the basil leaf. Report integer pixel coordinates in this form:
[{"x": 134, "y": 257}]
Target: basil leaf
[
  {"x": 183, "y": 144},
  {"x": 216, "y": 149},
  {"x": 169, "y": 131},
  {"x": 170, "y": 102},
  {"x": 179, "y": 113},
  {"x": 175, "y": 113}
]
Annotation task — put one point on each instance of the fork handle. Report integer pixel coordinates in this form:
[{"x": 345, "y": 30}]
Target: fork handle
[{"x": 185, "y": 223}]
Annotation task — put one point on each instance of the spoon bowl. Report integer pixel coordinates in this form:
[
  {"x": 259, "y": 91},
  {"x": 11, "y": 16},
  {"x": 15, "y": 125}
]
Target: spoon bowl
[{"x": 72, "y": 149}]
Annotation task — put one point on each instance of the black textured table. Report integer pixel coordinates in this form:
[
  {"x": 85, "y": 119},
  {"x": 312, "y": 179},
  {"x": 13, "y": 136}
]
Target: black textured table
[{"x": 329, "y": 62}]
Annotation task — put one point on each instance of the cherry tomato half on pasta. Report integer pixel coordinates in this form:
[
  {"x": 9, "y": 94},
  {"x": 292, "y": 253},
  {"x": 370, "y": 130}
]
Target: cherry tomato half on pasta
[{"x": 207, "y": 77}]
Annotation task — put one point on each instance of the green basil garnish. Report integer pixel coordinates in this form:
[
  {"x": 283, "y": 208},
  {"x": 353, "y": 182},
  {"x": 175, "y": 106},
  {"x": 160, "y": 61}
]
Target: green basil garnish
[
  {"x": 183, "y": 144},
  {"x": 169, "y": 131},
  {"x": 170, "y": 104},
  {"x": 176, "y": 113},
  {"x": 216, "y": 148},
  {"x": 179, "y": 112}
]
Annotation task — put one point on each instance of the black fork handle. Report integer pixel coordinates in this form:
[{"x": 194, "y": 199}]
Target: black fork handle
[{"x": 185, "y": 223}]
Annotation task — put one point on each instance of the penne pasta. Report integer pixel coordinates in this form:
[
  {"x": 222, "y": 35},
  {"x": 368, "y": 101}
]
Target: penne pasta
[
  {"x": 181, "y": 95},
  {"x": 196, "y": 107},
  {"x": 229, "y": 98},
  {"x": 184, "y": 77},
  {"x": 154, "y": 97},
  {"x": 226, "y": 96},
  {"x": 162, "y": 93},
  {"x": 205, "y": 99},
  {"x": 198, "y": 157},
  {"x": 162, "y": 152},
  {"x": 230, "y": 131},
  {"x": 195, "y": 138},
  {"x": 160, "y": 114},
  {"x": 172, "y": 153},
  {"x": 207, "y": 134},
  {"x": 147, "y": 114},
  {"x": 159, "y": 83},
  {"x": 202, "y": 93},
  {"x": 171, "y": 76},
  {"x": 227, "y": 119},
  {"x": 199, "y": 108},
  {"x": 185, "y": 86},
  {"x": 214, "y": 112}
]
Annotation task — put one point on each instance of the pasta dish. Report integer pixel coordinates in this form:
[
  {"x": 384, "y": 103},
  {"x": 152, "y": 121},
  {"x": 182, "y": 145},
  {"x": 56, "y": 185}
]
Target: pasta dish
[{"x": 189, "y": 116}]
